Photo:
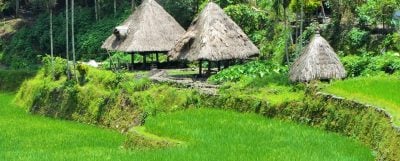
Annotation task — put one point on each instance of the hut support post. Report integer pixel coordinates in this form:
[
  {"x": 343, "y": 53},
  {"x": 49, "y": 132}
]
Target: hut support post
[
  {"x": 226, "y": 64},
  {"x": 209, "y": 68},
  {"x": 219, "y": 65},
  {"x": 132, "y": 60},
  {"x": 144, "y": 59},
  {"x": 200, "y": 66},
  {"x": 157, "y": 58}
]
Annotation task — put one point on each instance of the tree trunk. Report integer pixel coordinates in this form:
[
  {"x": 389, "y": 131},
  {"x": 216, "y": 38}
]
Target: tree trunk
[
  {"x": 323, "y": 12},
  {"x": 115, "y": 8},
  {"x": 286, "y": 36},
  {"x": 301, "y": 25},
  {"x": 98, "y": 9},
  {"x": 51, "y": 40},
  {"x": 16, "y": 7},
  {"x": 95, "y": 10},
  {"x": 200, "y": 67},
  {"x": 66, "y": 38},
  {"x": 133, "y": 60},
  {"x": 73, "y": 37}
]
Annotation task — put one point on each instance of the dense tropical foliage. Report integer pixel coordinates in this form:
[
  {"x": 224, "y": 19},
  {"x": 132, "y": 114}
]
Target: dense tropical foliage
[{"x": 361, "y": 29}]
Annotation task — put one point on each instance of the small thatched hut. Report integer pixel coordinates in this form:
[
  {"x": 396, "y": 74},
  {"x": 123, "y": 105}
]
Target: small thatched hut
[
  {"x": 150, "y": 29},
  {"x": 213, "y": 36},
  {"x": 317, "y": 62}
]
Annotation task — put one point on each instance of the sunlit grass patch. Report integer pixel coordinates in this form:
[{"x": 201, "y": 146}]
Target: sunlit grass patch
[
  {"x": 225, "y": 135},
  {"x": 380, "y": 91}
]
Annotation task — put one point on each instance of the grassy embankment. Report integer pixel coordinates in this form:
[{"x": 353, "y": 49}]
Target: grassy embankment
[
  {"x": 207, "y": 135},
  {"x": 378, "y": 91}
]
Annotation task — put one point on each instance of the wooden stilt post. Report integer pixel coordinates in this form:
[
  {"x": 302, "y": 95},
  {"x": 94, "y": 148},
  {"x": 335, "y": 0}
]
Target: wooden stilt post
[
  {"x": 219, "y": 65},
  {"x": 157, "y": 58},
  {"x": 132, "y": 60},
  {"x": 200, "y": 66},
  {"x": 226, "y": 64},
  {"x": 209, "y": 68},
  {"x": 144, "y": 59}
]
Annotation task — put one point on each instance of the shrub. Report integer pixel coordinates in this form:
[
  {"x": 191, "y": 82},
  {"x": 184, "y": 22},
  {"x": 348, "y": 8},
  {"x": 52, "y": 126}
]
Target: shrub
[
  {"x": 388, "y": 62},
  {"x": 392, "y": 42},
  {"x": 355, "y": 65},
  {"x": 83, "y": 70},
  {"x": 253, "y": 69},
  {"x": 54, "y": 67},
  {"x": 355, "y": 40},
  {"x": 253, "y": 22}
]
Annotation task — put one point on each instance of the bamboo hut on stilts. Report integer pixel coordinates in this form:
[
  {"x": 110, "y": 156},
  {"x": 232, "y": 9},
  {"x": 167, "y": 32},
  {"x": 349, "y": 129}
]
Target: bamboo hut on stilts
[
  {"x": 149, "y": 30},
  {"x": 214, "y": 37}
]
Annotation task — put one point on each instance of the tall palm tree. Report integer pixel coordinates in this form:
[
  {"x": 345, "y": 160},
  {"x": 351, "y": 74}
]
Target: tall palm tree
[
  {"x": 73, "y": 37},
  {"x": 301, "y": 24},
  {"x": 66, "y": 38},
  {"x": 50, "y": 6},
  {"x": 95, "y": 10},
  {"x": 115, "y": 8},
  {"x": 16, "y": 7}
]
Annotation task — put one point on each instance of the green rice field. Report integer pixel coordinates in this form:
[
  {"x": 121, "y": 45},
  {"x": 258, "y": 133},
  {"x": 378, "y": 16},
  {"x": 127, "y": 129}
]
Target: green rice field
[
  {"x": 383, "y": 92},
  {"x": 206, "y": 134}
]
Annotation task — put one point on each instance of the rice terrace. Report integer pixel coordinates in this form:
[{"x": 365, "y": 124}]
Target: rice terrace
[{"x": 200, "y": 80}]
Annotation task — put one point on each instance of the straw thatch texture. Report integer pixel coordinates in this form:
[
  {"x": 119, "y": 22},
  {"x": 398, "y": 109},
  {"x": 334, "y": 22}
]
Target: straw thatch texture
[
  {"x": 149, "y": 29},
  {"x": 213, "y": 36},
  {"x": 317, "y": 62}
]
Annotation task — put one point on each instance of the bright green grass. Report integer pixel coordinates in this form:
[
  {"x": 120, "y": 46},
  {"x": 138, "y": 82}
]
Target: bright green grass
[
  {"x": 207, "y": 135},
  {"x": 224, "y": 135},
  {"x": 379, "y": 91}
]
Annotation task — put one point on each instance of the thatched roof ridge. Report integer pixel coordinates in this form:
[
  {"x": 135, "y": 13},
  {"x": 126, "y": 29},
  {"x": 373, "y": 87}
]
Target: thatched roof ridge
[
  {"x": 317, "y": 62},
  {"x": 213, "y": 36},
  {"x": 149, "y": 29}
]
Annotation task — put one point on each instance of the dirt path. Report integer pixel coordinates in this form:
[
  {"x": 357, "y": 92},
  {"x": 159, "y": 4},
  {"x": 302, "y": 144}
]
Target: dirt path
[{"x": 162, "y": 76}]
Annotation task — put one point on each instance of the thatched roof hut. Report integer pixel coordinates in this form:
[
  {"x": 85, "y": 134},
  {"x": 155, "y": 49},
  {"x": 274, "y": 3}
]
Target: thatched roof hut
[
  {"x": 149, "y": 29},
  {"x": 317, "y": 62},
  {"x": 213, "y": 36}
]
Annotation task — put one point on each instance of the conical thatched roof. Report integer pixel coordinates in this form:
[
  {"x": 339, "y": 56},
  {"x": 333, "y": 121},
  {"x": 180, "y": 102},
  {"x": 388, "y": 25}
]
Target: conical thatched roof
[
  {"x": 149, "y": 28},
  {"x": 213, "y": 36},
  {"x": 318, "y": 61}
]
